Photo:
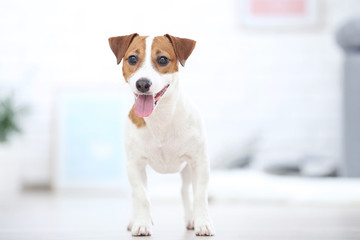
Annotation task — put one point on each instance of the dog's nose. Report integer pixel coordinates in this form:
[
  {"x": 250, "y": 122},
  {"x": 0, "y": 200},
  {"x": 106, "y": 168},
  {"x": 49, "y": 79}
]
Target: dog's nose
[{"x": 143, "y": 85}]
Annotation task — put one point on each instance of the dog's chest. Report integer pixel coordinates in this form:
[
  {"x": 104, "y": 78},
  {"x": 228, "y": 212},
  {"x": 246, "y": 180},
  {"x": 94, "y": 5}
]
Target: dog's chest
[{"x": 166, "y": 156}]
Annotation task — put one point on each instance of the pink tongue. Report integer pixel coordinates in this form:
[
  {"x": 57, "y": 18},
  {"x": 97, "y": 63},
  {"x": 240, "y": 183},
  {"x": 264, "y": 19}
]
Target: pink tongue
[{"x": 144, "y": 105}]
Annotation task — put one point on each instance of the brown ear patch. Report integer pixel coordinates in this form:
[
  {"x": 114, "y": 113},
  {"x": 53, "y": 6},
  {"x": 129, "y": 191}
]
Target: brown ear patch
[
  {"x": 119, "y": 45},
  {"x": 136, "y": 48},
  {"x": 161, "y": 46},
  {"x": 183, "y": 47},
  {"x": 138, "y": 121}
]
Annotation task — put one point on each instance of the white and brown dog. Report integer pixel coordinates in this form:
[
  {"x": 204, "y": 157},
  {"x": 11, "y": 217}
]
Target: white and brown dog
[{"x": 163, "y": 130}]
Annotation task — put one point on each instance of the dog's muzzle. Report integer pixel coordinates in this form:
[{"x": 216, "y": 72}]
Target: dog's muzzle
[
  {"x": 143, "y": 85},
  {"x": 145, "y": 103}
]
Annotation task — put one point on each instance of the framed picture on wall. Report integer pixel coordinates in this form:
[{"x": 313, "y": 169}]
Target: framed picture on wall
[{"x": 279, "y": 13}]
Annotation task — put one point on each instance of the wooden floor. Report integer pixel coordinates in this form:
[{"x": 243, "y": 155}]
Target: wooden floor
[{"x": 76, "y": 218}]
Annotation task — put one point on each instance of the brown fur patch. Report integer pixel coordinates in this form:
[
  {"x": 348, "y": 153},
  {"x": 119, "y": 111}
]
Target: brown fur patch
[
  {"x": 138, "y": 121},
  {"x": 136, "y": 48},
  {"x": 162, "y": 47},
  {"x": 183, "y": 47},
  {"x": 120, "y": 44}
]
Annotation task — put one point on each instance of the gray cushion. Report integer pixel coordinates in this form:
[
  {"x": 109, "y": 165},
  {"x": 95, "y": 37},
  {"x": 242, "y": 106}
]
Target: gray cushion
[{"x": 348, "y": 36}]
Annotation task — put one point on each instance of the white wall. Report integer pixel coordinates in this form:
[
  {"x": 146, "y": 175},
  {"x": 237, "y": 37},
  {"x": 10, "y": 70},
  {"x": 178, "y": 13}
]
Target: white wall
[{"x": 280, "y": 87}]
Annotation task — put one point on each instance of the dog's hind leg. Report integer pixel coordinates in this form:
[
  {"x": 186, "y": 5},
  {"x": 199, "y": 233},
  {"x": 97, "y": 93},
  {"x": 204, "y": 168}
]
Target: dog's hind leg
[{"x": 185, "y": 194}]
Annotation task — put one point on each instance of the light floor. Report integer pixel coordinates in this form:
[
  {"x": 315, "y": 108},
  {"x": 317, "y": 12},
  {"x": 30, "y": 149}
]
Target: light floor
[{"x": 52, "y": 217}]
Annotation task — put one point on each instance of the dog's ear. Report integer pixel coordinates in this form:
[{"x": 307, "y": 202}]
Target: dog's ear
[
  {"x": 183, "y": 47},
  {"x": 120, "y": 44}
]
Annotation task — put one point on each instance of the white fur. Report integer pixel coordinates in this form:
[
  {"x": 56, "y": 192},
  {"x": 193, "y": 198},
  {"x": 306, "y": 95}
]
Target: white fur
[{"x": 173, "y": 140}]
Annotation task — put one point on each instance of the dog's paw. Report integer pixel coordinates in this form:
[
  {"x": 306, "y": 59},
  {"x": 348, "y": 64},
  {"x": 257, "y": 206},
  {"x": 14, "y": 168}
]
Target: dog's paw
[
  {"x": 190, "y": 224},
  {"x": 140, "y": 228},
  {"x": 129, "y": 226},
  {"x": 203, "y": 227},
  {"x": 189, "y": 221}
]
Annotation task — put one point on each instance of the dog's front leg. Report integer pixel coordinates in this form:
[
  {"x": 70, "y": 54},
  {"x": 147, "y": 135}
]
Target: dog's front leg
[
  {"x": 141, "y": 223},
  {"x": 185, "y": 194},
  {"x": 202, "y": 222}
]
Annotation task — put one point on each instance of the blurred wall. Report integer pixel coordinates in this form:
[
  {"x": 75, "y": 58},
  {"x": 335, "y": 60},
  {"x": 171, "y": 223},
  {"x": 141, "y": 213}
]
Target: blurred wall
[{"x": 281, "y": 88}]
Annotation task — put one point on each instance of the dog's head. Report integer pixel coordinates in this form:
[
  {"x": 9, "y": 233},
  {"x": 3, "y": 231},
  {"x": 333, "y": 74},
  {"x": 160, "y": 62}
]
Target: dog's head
[{"x": 149, "y": 66}]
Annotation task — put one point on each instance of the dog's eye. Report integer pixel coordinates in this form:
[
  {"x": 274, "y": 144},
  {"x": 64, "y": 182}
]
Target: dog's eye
[
  {"x": 132, "y": 60},
  {"x": 163, "y": 61}
]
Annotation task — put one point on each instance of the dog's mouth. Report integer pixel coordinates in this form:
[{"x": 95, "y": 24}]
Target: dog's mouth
[{"x": 145, "y": 103}]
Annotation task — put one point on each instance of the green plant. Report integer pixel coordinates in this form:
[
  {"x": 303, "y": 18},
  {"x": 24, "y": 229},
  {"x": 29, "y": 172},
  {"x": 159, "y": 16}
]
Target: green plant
[{"x": 9, "y": 118}]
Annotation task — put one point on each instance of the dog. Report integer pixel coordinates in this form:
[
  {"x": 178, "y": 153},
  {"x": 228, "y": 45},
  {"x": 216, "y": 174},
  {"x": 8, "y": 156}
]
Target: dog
[{"x": 163, "y": 130}]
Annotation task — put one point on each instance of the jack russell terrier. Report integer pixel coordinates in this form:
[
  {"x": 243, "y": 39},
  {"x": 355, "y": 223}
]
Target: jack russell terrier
[{"x": 163, "y": 129}]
